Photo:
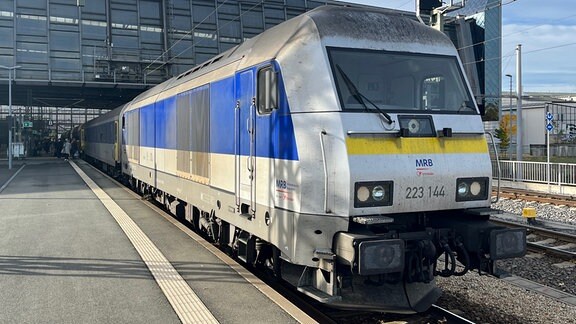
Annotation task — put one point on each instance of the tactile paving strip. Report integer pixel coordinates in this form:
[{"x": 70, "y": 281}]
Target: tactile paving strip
[{"x": 185, "y": 302}]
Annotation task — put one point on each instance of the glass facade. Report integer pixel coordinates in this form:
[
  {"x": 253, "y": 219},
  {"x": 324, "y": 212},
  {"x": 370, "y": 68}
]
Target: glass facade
[
  {"x": 478, "y": 39},
  {"x": 105, "y": 52},
  {"x": 144, "y": 42},
  {"x": 128, "y": 41}
]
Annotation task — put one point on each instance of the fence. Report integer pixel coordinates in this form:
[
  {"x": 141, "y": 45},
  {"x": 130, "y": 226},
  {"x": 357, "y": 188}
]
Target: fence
[{"x": 560, "y": 174}]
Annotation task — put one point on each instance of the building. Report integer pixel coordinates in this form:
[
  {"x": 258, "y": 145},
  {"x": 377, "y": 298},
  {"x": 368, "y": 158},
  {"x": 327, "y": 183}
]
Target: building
[
  {"x": 535, "y": 135},
  {"x": 476, "y": 30},
  {"x": 100, "y": 54},
  {"x": 75, "y": 56}
]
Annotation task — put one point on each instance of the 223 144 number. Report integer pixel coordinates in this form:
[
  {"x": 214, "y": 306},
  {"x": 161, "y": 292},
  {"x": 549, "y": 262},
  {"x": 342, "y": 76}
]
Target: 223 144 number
[{"x": 425, "y": 192}]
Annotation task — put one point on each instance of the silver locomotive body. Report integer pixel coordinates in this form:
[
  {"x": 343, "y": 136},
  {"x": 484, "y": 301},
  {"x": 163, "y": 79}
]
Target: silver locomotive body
[{"x": 342, "y": 149}]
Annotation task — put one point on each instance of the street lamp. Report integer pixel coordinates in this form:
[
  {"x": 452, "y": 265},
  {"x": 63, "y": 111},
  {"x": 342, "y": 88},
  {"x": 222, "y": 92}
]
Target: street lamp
[
  {"x": 10, "y": 153},
  {"x": 510, "y": 109}
]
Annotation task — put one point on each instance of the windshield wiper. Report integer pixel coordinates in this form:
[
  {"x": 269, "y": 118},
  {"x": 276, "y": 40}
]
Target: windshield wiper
[{"x": 360, "y": 97}]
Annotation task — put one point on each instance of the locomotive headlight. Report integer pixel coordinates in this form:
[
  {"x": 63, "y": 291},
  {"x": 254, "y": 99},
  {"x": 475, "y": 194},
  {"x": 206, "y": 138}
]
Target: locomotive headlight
[
  {"x": 475, "y": 188},
  {"x": 363, "y": 193},
  {"x": 373, "y": 194},
  {"x": 369, "y": 254},
  {"x": 382, "y": 256},
  {"x": 378, "y": 193},
  {"x": 468, "y": 189},
  {"x": 462, "y": 189}
]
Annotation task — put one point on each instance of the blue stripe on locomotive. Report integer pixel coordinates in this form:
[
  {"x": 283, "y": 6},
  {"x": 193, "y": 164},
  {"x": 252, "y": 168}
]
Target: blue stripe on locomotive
[
  {"x": 147, "y": 124},
  {"x": 165, "y": 114},
  {"x": 274, "y": 132},
  {"x": 222, "y": 116}
]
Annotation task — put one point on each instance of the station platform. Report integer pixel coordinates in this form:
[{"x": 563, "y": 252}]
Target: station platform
[{"x": 75, "y": 247}]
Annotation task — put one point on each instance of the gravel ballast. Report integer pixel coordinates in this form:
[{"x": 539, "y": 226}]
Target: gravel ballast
[{"x": 485, "y": 299}]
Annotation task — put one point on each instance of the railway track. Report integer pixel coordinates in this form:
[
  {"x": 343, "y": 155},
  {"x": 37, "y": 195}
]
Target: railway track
[
  {"x": 434, "y": 315},
  {"x": 323, "y": 314},
  {"x": 546, "y": 240},
  {"x": 539, "y": 197}
]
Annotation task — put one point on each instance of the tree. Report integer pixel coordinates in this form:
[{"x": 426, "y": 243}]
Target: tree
[{"x": 504, "y": 133}]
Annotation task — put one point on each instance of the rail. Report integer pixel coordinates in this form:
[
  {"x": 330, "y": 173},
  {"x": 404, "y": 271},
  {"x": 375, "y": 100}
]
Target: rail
[{"x": 557, "y": 174}]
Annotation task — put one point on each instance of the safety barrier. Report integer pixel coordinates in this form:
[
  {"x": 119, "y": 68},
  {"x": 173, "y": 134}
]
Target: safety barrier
[{"x": 559, "y": 174}]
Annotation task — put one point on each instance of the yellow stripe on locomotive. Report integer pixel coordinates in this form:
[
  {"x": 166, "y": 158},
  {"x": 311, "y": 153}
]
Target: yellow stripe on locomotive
[{"x": 402, "y": 145}]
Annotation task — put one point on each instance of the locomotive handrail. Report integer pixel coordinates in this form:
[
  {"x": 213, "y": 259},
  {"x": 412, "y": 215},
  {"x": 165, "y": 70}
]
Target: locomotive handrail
[
  {"x": 326, "y": 209},
  {"x": 396, "y": 132},
  {"x": 498, "y": 163},
  {"x": 252, "y": 158},
  {"x": 237, "y": 154},
  {"x": 361, "y": 133},
  {"x": 250, "y": 128},
  {"x": 467, "y": 133}
]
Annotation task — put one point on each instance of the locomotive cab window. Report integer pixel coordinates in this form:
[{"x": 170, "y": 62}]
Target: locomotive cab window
[
  {"x": 371, "y": 80},
  {"x": 267, "y": 90},
  {"x": 433, "y": 93}
]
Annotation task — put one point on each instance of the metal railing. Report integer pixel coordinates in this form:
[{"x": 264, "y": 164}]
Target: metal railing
[{"x": 560, "y": 174}]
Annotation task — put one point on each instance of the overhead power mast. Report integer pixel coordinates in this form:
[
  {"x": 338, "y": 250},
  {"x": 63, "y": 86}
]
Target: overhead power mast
[{"x": 431, "y": 12}]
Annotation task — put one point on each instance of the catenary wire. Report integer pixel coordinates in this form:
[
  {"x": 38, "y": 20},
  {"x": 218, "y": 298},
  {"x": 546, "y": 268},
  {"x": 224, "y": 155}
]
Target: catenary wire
[
  {"x": 185, "y": 35},
  {"x": 526, "y": 52},
  {"x": 516, "y": 32},
  {"x": 197, "y": 42}
]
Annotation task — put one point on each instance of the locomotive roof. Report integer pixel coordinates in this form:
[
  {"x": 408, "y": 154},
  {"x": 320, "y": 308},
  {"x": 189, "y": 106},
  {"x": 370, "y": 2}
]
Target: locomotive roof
[
  {"x": 374, "y": 25},
  {"x": 328, "y": 23}
]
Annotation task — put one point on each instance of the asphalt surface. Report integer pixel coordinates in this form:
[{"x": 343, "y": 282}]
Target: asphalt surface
[
  {"x": 230, "y": 298},
  {"x": 64, "y": 259}
]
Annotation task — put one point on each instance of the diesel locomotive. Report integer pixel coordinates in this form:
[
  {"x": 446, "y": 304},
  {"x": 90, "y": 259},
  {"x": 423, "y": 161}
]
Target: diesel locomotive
[{"x": 342, "y": 150}]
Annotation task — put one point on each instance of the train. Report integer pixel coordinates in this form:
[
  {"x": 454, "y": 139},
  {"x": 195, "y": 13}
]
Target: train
[{"x": 341, "y": 150}]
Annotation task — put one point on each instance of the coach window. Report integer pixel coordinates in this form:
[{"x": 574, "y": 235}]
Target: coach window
[{"x": 267, "y": 90}]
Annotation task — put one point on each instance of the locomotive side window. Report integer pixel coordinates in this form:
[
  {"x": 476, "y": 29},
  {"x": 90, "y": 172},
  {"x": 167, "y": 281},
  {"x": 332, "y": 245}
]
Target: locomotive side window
[{"x": 267, "y": 90}]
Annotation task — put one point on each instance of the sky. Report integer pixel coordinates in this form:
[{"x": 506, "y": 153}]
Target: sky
[{"x": 547, "y": 32}]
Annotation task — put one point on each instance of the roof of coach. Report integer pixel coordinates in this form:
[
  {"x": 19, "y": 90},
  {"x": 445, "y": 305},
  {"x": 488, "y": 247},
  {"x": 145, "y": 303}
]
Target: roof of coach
[
  {"x": 107, "y": 117},
  {"x": 326, "y": 22}
]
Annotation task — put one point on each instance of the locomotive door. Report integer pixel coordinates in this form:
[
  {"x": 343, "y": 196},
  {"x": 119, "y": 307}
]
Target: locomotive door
[{"x": 245, "y": 143}]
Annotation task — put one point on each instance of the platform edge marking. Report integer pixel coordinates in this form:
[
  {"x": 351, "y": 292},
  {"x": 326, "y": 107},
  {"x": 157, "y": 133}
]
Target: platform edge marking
[
  {"x": 280, "y": 300},
  {"x": 11, "y": 178},
  {"x": 166, "y": 276}
]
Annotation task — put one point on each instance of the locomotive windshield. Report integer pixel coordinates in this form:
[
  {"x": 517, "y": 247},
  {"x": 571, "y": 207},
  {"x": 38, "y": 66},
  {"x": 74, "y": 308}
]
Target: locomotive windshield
[{"x": 393, "y": 81}]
